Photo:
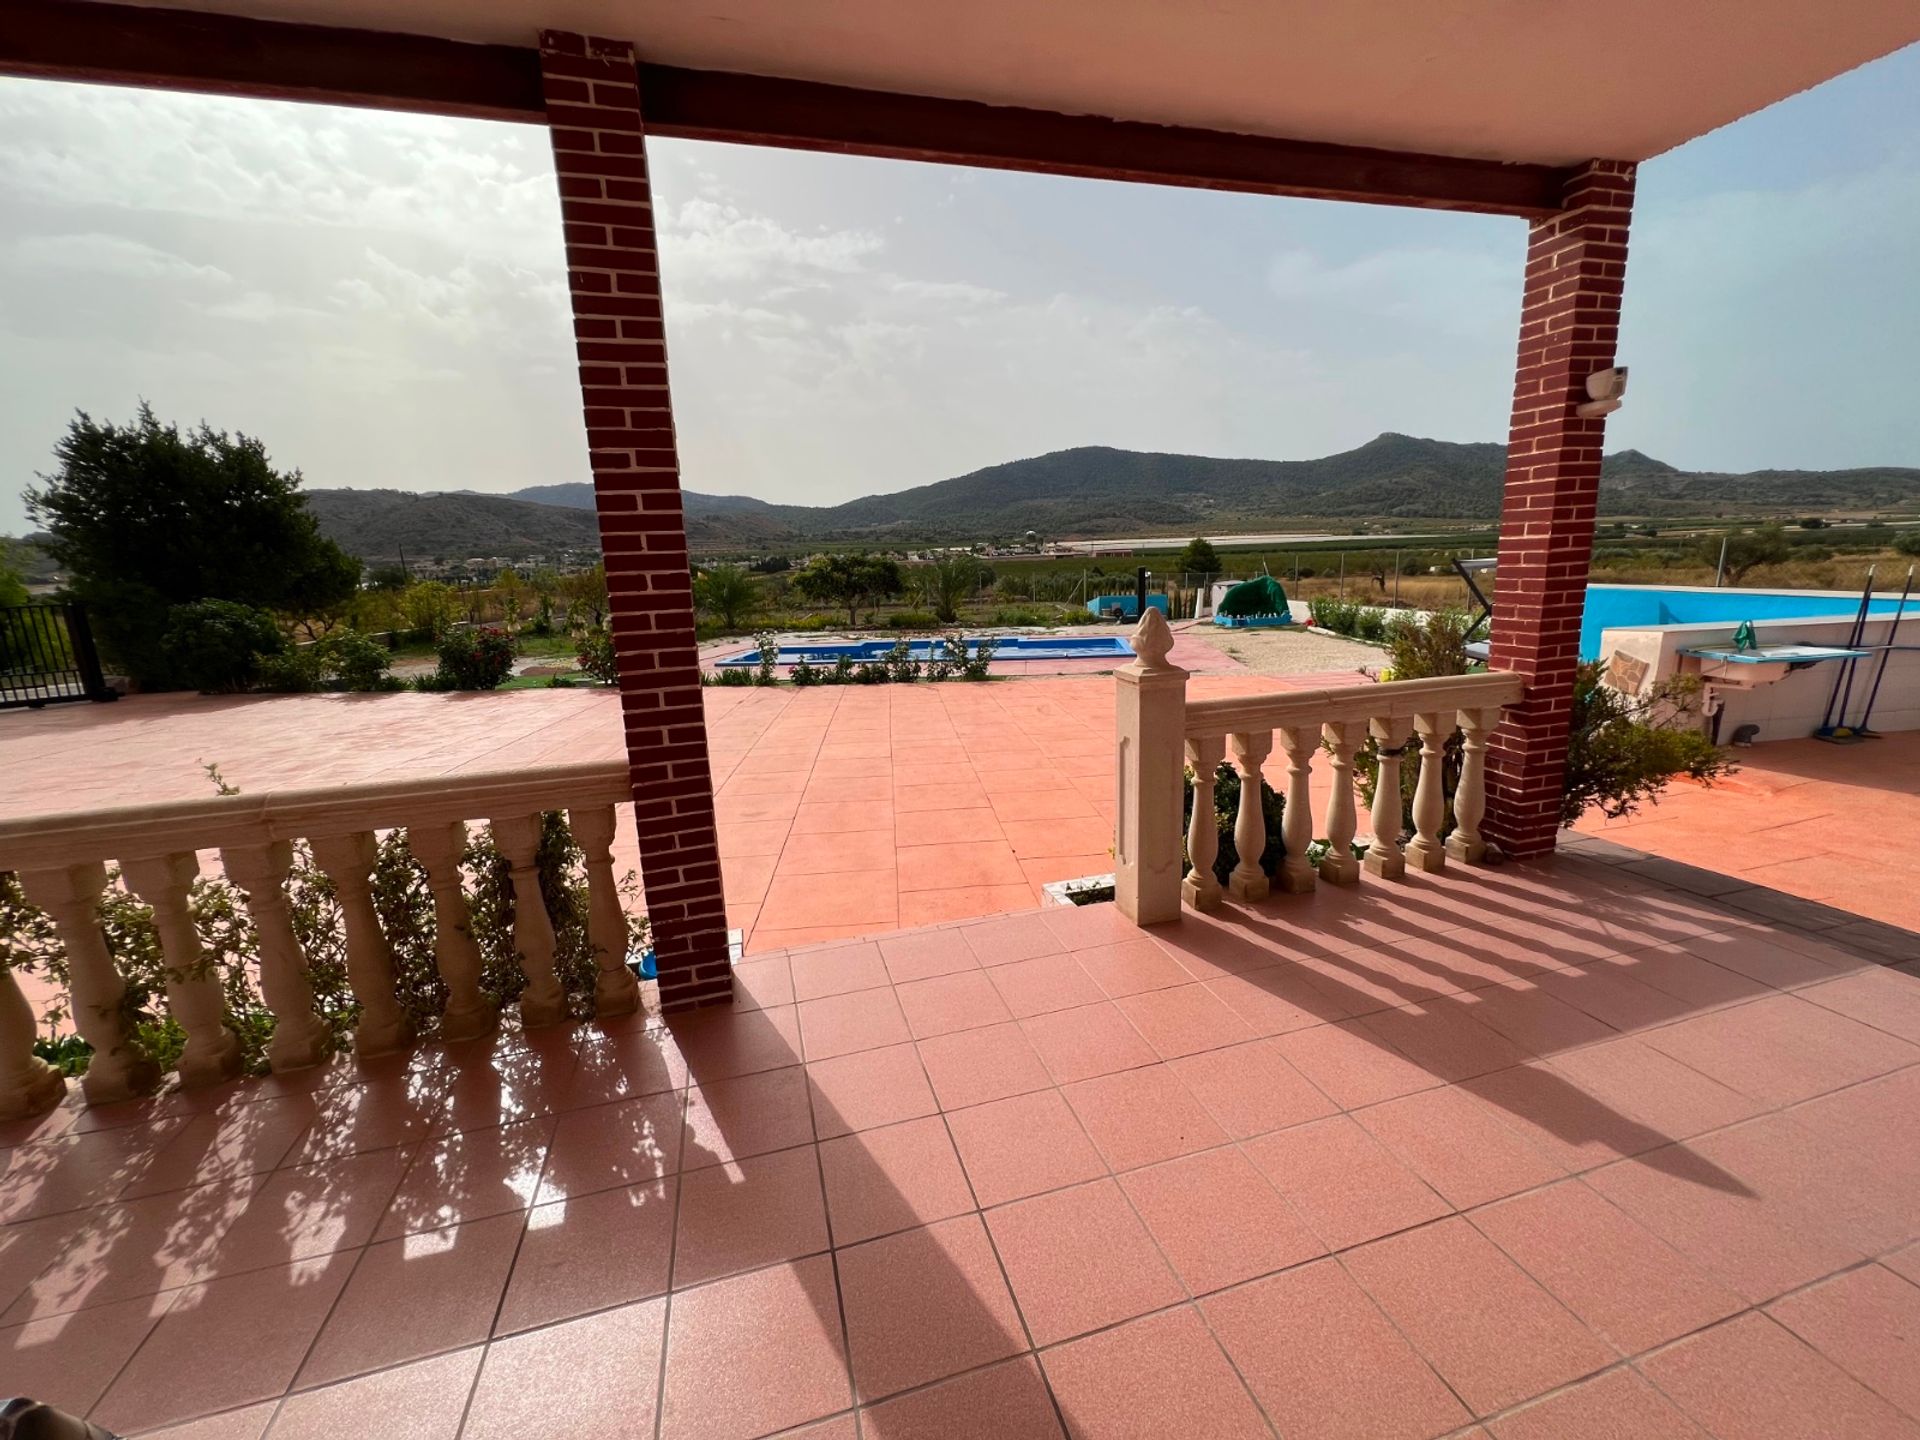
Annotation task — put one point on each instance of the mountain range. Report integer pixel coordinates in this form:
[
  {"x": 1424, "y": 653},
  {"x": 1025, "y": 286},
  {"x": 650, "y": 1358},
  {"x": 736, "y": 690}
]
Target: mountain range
[{"x": 1097, "y": 491}]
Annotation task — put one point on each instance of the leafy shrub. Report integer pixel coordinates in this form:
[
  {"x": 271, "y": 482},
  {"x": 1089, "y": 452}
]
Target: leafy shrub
[
  {"x": 475, "y": 659},
  {"x": 1328, "y": 613},
  {"x": 900, "y": 662},
  {"x": 1369, "y": 624},
  {"x": 872, "y": 672},
  {"x": 766, "y": 672},
  {"x": 593, "y": 651},
  {"x": 215, "y": 646},
  {"x": 1226, "y": 808},
  {"x": 842, "y": 671},
  {"x": 805, "y": 673},
  {"x": 913, "y": 620},
  {"x": 297, "y": 671},
  {"x": 1908, "y": 542},
  {"x": 732, "y": 677},
  {"x": 359, "y": 661},
  {"x": 976, "y": 666}
]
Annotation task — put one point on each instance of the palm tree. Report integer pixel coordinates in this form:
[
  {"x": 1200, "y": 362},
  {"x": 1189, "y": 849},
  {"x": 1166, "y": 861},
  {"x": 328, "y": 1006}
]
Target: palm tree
[{"x": 728, "y": 594}]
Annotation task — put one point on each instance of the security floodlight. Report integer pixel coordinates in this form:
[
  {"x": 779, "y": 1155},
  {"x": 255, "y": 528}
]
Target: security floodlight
[{"x": 1604, "y": 389}]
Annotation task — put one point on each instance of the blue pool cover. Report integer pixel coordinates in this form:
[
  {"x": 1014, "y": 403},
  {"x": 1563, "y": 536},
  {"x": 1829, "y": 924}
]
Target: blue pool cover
[{"x": 1006, "y": 647}]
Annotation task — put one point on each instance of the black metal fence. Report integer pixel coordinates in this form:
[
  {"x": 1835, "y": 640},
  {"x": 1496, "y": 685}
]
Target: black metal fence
[{"x": 47, "y": 655}]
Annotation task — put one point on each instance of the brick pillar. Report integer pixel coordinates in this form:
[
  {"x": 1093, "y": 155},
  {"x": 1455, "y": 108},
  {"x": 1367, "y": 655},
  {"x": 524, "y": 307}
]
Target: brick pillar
[
  {"x": 606, "y": 204},
  {"x": 1569, "y": 324}
]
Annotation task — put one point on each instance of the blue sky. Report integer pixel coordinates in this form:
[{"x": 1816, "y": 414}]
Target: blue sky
[{"x": 381, "y": 298}]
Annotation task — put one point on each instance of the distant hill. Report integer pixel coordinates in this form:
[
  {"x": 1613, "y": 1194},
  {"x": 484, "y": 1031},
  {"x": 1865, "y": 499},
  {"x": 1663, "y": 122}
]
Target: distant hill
[{"x": 1094, "y": 491}]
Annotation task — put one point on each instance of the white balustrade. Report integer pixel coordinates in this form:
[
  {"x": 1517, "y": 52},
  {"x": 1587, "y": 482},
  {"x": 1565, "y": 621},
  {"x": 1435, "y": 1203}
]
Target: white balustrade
[
  {"x": 61, "y": 860},
  {"x": 1161, "y": 732}
]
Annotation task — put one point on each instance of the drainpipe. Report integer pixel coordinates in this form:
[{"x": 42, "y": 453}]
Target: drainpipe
[{"x": 1721, "y": 568}]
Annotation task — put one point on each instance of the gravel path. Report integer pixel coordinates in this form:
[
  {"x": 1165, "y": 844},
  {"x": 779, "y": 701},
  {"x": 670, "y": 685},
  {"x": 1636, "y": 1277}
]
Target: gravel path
[{"x": 1292, "y": 651}]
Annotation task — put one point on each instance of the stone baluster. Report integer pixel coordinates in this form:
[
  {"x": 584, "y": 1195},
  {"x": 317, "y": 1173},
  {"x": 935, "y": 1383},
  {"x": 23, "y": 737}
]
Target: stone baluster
[
  {"x": 1201, "y": 888},
  {"x": 71, "y": 896},
  {"x": 1427, "y": 851},
  {"x": 1248, "y": 881},
  {"x": 1150, "y": 714},
  {"x": 1384, "y": 857},
  {"x": 615, "y": 990},
  {"x": 212, "y": 1052},
  {"x": 1338, "y": 867},
  {"x": 438, "y": 848},
  {"x": 348, "y": 861},
  {"x": 1470, "y": 797},
  {"x": 542, "y": 1002},
  {"x": 299, "y": 1035},
  {"x": 1297, "y": 875},
  {"x": 28, "y": 1085}
]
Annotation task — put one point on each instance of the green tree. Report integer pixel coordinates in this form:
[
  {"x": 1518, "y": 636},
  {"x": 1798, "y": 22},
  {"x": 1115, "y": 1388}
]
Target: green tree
[
  {"x": 585, "y": 593},
  {"x": 728, "y": 594},
  {"x": 1908, "y": 543},
  {"x": 429, "y": 607},
  {"x": 144, "y": 518},
  {"x": 13, "y": 581},
  {"x": 387, "y": 577},
  {"x": 1746, "y": 549},
  {"x": 849, "y": 580},
  {"x": 948, "y": 583},
  {"x": 1625, "y": 748},
  {"x": 1199, "y": 558}
]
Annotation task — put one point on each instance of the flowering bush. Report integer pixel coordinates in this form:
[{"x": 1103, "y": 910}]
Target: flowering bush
[
  {"x": 594, "y": 650},
  {"x": 476, "y": 659}
]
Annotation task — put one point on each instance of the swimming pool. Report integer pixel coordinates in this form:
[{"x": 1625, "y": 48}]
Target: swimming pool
[
  {"x": 1638, "y": 605},
  {"x": 1005, "y": 647}
]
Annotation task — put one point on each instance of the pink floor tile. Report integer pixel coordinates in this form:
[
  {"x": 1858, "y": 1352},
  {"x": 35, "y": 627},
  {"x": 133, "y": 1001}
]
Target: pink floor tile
[
  {"x": 532, "y": 1382},
  {"x": 937, "y": 907},
  {"x": 69, "y": 1360},
  {"x": 925, "y": 1304},
  {"x": 467, "y": 1176},
  {"x": 1137, "y": 1117},
  {"x": 864, "y": 852},
  {"x": 1022, "y": 1146},
  {"x": 1251, "y": 1089},
  {"x": 1627, "y": 1285},
  {"x": 941, "y": 1004},
  {"x": 836, "y": 970},
  {"x": 1217, "y": 1221},
  {"x": 1534, "y": 1019},
  {"x": 1044, "y": 984},
  {"x": 869, "y": 1088},
  {"x": 746, "y": 1115},
  {"x": 310, "y": 1210},
  {"x": 1130, "y": 967},
  {"x": 1352, "y": 1066},
  {"x": 1782, "y": 1049},
  {"x": 415, "y": 1297},
  {"x": 1882, "y": 998},
  {"x": 1162, "y": 1375},
  {"x": 774, "y": 1335},
  {"x": 1089, "y": 1040},
  {"x": 260, "y": 1323},
  {"x": 1867, "y": 1322},
  {"x": 1443, "y": 1039},
  {"x": 843, "y": 1024},
  {"x": 971, "y": 1067},
  {"x": 237, "y": 1141},
  {"x": 921, "y": 955},
  {"x": 403, "y": 1109},
  {"x": 1618, "y": 1405},
  {"x": 749, "y": 1213},
  {"x": 893, "y": 1178},
  {"x": 27, "y": 1247},
  {"x": 1342, "y": 1182},
  {"x": 1458, "y": 1146},
  {"x": 1639, "y": 1082},
  {"x": 647, "y": 1061},
  {"x": 587, "y": 1253},
  {"x": 1276, "y": 999},
  {"x": 608, "y": 1145},
  {"x": 1325, "y": 1364},
  {"x": 1493, "y": 1334},
  {"x": 1184, "y": 1020},
  {"x": 1016, "y": 937},
  {"x": 72, "y": 1171},
  {"x": 1080, "y": 1259},
  {"x": 1003, "y": 1402},
  {"x": 248, "y": 1423},
  {"x": 431, "y": 1394},
  {"x": 1756, "y": 1246},
  {"x": 758, "y": 984},
  {"x": 1749, "y": 1377}
]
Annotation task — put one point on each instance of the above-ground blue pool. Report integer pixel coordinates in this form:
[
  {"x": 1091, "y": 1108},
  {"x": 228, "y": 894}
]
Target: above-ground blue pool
[
  {"x": 1005, "y": 647},
  {"x": 1634, "y": 605}
]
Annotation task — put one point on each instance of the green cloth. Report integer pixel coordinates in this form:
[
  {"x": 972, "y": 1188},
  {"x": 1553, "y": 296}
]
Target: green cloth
[
  {"x": 1743, "y": 638},
  {"x": 1261, "y": 595}
]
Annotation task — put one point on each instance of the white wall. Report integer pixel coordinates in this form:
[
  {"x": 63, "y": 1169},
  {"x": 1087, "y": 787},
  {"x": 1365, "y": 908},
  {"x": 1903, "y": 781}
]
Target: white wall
[{"x": 1792, "y": 707}]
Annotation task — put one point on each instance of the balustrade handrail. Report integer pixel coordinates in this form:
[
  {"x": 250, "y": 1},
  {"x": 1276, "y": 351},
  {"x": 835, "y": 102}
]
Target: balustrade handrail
[
  {"x": 125, "y": 832},
  {"x": 1371, "y": 700}
]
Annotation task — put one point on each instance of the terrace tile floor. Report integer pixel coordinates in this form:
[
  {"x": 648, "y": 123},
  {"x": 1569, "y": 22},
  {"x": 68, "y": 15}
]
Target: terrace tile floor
[{"x": 1541, "y": 1152}]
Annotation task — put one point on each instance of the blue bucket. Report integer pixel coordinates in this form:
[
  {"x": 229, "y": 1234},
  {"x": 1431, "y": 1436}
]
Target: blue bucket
[{"x": 645, "y": 969}]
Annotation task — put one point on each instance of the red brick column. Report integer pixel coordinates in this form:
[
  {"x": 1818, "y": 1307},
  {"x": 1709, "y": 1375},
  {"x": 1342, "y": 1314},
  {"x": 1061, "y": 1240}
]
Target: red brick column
[
  {"x": 1569, "y": 324},
  {"x": 606, "y": 203}
]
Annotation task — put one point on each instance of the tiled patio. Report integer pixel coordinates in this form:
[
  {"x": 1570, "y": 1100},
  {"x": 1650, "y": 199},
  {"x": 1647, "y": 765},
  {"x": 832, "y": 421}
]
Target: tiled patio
[{"x": 1540, "y": 1153}]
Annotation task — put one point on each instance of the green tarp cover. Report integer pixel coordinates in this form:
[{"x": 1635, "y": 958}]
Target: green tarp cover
[{"x": 1260, "y": 596}]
